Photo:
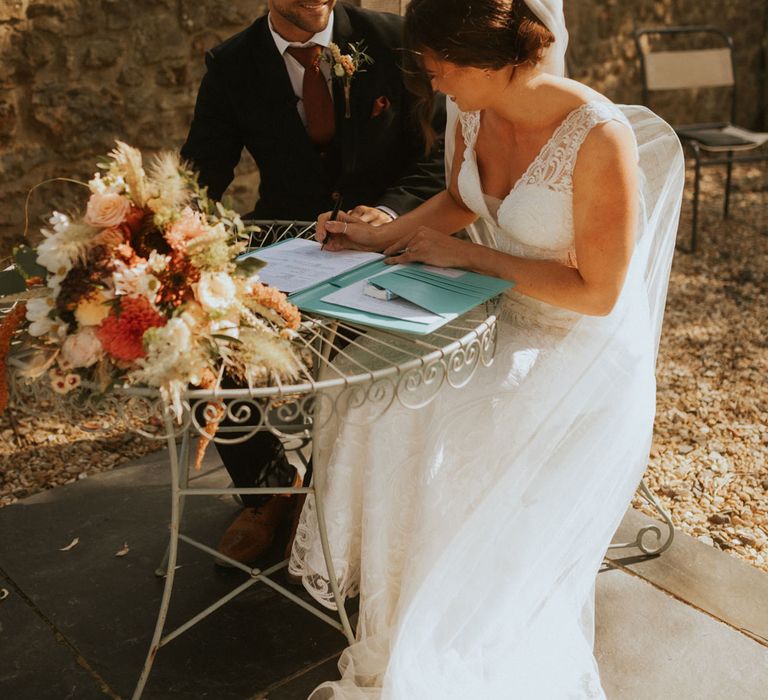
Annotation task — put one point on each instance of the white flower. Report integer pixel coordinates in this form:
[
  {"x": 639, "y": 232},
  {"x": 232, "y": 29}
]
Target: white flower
[
  {"x": 107, "y": 210},
  {"x": 226, "y": 327},
  {"x": 97, "y": 184},
  {"x": 54, "y": 283},
  {"x": 173, "y": 360},
  {"x": 216, "y": 291},
  {"x": 81, "y": 349},
  {"x": 64, "y": 383},
  {"x": 135, "y": 280},
  {"x": 169, "y": 348},
  {"x": 157, "y": 262},
  {"x": 38, "y": 314},
  {"x": 338, "y": 70},
  {"x": 177, "y": 335},
  {"x": 111, "y": 183},
  {"x": 66, "y": 244}
]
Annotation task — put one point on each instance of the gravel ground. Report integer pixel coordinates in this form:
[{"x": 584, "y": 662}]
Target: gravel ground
[{"x": 709, "y": 463}]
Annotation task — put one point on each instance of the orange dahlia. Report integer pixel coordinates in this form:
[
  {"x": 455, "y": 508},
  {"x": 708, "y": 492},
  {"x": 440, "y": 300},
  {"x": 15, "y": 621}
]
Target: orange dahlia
[
  {"x": 274, "y": 299},
  {"x": 122, "y": 332}
]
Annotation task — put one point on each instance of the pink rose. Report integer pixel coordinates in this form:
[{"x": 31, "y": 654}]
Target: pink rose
[
  {"x": 186, "y": 228},
  {"x": 106, "y": 210},
  {"x": 82, "y": 349}
]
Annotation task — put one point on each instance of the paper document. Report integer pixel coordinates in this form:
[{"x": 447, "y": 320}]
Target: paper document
[
  {"x": 353, "y": 297},
  {"x": 298, "y": 264}
]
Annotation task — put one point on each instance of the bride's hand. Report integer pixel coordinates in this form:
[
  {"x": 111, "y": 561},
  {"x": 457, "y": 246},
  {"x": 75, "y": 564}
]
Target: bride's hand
[
  {"x": 425, "y": 245},
  {"x": 347, "y": 232}
]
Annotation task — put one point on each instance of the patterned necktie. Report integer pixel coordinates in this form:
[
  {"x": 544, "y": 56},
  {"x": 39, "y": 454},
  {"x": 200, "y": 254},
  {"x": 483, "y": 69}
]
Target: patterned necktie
[{"x": 318, "y": 105}]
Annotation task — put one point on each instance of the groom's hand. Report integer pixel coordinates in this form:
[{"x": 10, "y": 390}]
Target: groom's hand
[{"x": 370, "y": 215}]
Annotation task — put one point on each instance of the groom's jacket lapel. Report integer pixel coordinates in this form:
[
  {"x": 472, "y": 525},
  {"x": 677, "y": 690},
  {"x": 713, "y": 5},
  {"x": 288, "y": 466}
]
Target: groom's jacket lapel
[
  {"x": 358, "y": 134},
  {"x": 346, "y": 129}
]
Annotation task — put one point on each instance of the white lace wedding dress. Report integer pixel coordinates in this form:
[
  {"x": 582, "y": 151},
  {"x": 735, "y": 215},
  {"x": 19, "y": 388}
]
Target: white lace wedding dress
[{"x": 473, "y": 528}]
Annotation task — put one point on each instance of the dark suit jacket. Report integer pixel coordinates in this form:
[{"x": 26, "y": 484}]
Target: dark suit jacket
[{"x": 246, "y": 100}]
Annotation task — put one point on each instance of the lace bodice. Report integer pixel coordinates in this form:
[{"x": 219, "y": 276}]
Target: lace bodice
[{"x": 535, "y": 219}]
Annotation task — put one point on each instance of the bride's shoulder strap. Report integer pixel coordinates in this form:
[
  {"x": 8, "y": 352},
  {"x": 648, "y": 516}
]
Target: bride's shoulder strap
[
  {"x": 582, "y": 120},
  {"x": 557, "y": 159},
  {"x": 470, "y": 125}
]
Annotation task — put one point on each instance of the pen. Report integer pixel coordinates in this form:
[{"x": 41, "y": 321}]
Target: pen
[{"x": 334, "y": 215}]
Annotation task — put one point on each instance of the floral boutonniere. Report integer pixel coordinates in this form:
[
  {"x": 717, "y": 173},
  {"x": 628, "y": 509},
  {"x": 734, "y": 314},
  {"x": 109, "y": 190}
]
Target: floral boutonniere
[{"x": 346, "y": 65}]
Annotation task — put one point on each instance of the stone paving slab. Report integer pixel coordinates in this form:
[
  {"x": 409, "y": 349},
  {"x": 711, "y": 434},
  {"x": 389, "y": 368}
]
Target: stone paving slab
[
  {"x": 649, "y": 646},
  {"x": 30, "y": 651},
  {"x": 717, "y": 583},
  {"x": 106, "y": 606},
  {"x": 299, "y": 687},
  {"x": 87, "y": 616}
]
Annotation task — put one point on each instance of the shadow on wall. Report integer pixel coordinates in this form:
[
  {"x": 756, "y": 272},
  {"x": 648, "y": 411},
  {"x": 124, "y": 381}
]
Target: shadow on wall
[{"x": 77, "y": 74}]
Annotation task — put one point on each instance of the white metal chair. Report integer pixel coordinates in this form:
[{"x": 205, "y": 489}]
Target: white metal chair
[{"x": 694, "y": 59}]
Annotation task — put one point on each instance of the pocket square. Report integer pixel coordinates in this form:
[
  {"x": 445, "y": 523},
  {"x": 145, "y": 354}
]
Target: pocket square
[{"x": 379, "y": 105}]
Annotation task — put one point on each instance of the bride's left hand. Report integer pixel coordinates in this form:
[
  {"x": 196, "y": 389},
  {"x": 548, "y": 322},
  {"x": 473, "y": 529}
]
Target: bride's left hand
[{"x": 425, "y": 245}]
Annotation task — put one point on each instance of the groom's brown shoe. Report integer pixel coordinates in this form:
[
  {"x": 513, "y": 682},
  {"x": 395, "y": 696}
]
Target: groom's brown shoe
[{"x": 253, "y": 531}]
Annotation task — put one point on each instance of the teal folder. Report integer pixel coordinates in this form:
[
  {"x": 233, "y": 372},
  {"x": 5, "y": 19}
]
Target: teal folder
[
  {"x": 447, "y": 295},
  {"x": 449, "y": 298},
  {"x": 441, "y": 294}
]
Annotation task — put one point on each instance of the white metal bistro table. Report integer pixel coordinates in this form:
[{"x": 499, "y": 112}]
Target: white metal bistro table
[
  {"x": 379, "y": 369},
  {"x": 452, "y": 355}
]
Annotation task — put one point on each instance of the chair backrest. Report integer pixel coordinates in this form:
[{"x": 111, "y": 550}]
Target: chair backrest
[{"x": 688, "y": 68}]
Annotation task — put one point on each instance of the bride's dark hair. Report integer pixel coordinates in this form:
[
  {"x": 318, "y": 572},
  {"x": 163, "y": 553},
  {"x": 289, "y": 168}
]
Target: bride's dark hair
[{"x": 477, "y": 33}]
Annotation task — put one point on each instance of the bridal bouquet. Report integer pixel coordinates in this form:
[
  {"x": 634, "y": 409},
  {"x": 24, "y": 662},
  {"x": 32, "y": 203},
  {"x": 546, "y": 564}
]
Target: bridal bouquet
[{"x": 145, "y": 288}]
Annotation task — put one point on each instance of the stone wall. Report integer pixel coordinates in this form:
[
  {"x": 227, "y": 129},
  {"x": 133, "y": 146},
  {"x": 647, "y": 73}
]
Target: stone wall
[
  {"x": 77, "y": 74},
  {"x": 602, "y": 51}
]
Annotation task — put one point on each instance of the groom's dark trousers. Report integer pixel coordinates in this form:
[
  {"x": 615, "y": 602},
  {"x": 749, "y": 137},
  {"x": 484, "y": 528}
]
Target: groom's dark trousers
[{"x": 376, "y": 157}]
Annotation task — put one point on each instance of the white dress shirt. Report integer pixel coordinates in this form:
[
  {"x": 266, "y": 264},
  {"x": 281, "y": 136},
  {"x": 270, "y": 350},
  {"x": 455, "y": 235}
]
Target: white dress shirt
[{"x": 295, "y": 69}]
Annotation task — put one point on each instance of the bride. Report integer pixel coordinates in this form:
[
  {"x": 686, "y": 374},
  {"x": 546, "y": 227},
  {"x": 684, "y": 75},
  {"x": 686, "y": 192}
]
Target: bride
[{"x": 473, "y": 529}]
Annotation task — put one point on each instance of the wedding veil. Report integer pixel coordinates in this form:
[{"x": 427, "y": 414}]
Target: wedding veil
[{"x": 504, "y": 609}]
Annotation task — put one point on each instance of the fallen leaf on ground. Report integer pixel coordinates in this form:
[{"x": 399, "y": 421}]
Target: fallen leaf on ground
[
  {"x": 71, "y": 545},
  {"x": 122, "y": 552}
]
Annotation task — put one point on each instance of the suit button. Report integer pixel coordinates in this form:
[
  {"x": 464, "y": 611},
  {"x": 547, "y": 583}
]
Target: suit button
[{"x": 335, "y": 196}]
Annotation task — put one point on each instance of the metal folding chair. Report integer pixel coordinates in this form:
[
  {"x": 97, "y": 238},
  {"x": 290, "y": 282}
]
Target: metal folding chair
[{"x": 695, "y": 59}]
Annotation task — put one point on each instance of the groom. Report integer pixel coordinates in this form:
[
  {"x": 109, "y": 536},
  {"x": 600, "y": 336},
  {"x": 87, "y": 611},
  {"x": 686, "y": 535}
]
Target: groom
[{"x": 271, "y": 90}]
